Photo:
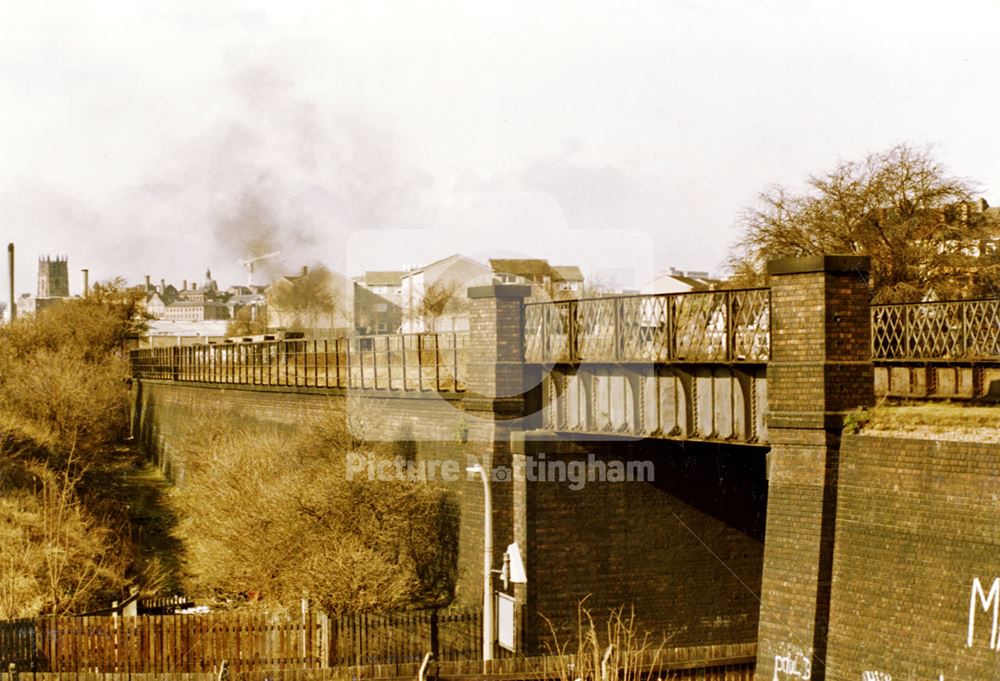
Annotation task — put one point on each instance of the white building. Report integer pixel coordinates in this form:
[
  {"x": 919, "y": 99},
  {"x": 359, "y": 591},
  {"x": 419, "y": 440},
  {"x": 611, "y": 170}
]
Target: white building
[{"x": 434, "y": 297}]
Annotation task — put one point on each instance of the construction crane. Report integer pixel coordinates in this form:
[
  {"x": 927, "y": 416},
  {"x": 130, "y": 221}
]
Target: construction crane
[{"x": 251, "y": 259}]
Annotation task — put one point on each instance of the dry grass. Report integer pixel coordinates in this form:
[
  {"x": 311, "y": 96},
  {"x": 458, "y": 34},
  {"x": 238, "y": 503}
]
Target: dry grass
[
  {"x": 939, "y": 421},
  {"x": 618, "y": 653}
]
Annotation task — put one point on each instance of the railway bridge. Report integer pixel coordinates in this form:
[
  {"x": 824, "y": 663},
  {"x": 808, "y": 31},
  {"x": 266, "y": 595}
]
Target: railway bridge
[{"x": 733, "y": 400}]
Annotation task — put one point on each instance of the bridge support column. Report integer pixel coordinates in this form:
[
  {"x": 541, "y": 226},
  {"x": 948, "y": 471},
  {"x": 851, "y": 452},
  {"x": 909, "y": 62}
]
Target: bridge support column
[
  {"x": 494, "y": 400},
  {"x": 820, "y": 369}
]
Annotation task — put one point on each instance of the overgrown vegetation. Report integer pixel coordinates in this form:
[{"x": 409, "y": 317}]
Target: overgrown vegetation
[
  {"x": 940, "y": 421},
  {"x": 63, "y": 416},
  {"x": 244, "y": 323},
  {"x": 264, "y": 515},
  {"x": 614, "y": 650}
]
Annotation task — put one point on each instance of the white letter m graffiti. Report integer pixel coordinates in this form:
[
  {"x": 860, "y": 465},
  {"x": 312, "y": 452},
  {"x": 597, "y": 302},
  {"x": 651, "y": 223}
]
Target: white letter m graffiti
[{"x": 985, "y": 601}]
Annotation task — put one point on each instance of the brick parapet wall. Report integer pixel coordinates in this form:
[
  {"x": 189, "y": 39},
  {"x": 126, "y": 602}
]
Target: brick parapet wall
[{"x": 917, "y": 522}]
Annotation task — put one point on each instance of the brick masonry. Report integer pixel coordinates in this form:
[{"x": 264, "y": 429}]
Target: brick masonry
[
  {"x": 682, "y": 550},
  {"x": 820, "y": 368},
  {"x": 917, "y": 522}
]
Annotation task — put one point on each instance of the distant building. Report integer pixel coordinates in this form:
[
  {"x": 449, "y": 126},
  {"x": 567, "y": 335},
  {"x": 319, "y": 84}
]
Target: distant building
[
  {"x": 547, "y": 281},
  {"x": 194, "y": 311},
  {"x": 161, "y": 333},
  {"x": 208, "y": 291},
  {"x": 677, "y": 281},
  {"x": 434, "y": 296},
  {"x": 375, "y": 313},
  {"x": 156, "y": 305},
  {"x": 533, "y": 272},
  {"x": 256, "y": 303},
  {"x": 53, "y": 277},
  {"x": 388, "y": 284},
  {"x": 53, "y": 286},
  {"x": 567, "y": 281},
  {"x": 318, "y": 308}
]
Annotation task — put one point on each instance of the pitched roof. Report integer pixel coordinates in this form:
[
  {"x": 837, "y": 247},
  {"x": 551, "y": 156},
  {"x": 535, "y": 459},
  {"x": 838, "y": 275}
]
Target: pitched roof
[
  {"x": 383, "y": 278},
  {"x": 455, "y": 256},
  {"x": 525, "y": 267},
  {"x": 567, "y": 273}
]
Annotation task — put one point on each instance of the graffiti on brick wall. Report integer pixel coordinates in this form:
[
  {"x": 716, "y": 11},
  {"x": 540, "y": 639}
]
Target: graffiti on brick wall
[
  {"x": 875, "y": 676},
  {"x": 793, "y": 664},
  {"x": 983, "y": 611}
]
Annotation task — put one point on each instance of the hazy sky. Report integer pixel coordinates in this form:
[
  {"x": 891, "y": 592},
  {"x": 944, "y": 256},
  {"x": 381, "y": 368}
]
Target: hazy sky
[{"x": 163, "y": 138}]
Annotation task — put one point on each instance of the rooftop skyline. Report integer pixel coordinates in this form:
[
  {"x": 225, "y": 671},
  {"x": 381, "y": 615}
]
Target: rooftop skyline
[{"x": 159, "y": 139}]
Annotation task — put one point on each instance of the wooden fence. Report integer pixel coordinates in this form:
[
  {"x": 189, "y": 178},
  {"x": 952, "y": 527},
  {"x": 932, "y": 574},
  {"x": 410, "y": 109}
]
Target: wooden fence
[
  {"x": 162, "y": 644},
  {"x": 733, "y": 662}
]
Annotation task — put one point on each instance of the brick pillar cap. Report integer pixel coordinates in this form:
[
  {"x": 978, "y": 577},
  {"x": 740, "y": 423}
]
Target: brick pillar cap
[
  {"x": 501, "y": 291},
  {"x": 835, "y": 264}
]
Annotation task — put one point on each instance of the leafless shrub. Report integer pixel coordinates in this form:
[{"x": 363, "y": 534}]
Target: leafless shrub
[
  {"x": 261, "y": 512},
  {"x": 617, "y": 650}
]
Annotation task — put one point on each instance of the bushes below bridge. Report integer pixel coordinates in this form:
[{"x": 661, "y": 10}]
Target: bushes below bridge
[{"x": 264, "y": 514}]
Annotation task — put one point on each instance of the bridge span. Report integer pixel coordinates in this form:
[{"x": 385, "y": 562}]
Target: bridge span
[{"x": 738, "y": 398}]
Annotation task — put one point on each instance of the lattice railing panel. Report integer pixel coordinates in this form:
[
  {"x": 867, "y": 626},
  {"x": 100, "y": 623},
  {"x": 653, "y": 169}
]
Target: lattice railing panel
[
  {"x": 645, "y": 328},
  {"x": 888, "y": 331},
  {"x": 699, "y": 327},
  {"x": 546, "y": 332},
  {"x": 711, "y": 326},
  {"x": 597, "y": 329},
  {"x": 935, "y": 331},
  {"x": 966, "y": 329},
  {"x": 750, "y": 312},
  {"x": 982, "y": 324}
]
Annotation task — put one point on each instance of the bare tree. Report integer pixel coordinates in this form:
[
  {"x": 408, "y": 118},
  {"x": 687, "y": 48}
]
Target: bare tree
[
  {"x": 245, "y": 324},
  {"x": 442, "y": 299},
  {"x": 307, "y": 301},
  {"x": 900, "y": 206}
]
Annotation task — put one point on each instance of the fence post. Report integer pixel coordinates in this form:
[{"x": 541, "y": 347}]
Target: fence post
[
  {"x": 435, "y": 636},
  {"x": 965, "y": 330},
  {"x": 619, "y": 338},
  {"x": 729, "y": 326},
  {"x": 906, "y": 332},
  {"x": 175, "y": 357},
  {"x": 571, "y": 332}
]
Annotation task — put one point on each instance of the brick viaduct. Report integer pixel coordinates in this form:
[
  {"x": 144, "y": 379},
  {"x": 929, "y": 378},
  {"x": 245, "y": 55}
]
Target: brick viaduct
[{"x": 838, "y": 555}]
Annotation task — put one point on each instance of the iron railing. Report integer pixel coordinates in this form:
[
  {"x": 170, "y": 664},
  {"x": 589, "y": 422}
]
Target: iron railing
[
  {"x": 947, "y": 330},
  {"x": 412, "y": 362},
  {"x": 704, "y": 326}
]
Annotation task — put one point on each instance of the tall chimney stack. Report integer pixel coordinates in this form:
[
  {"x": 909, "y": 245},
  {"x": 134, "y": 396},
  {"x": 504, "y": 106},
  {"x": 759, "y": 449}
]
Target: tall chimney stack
[
  {"x": 86, "y": 282},
  {"x": 185, "y": 285},
  {"x": 163, "y": 286},
  {"x": 305, "y": 270},
  {"x": 10, "y": 268}
]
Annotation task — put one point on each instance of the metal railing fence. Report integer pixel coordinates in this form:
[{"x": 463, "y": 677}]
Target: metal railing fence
[
  {"x": 947, "y": 330},
  {"x": 704, "y": 326},
  {"x": 413, "y": 362}
]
